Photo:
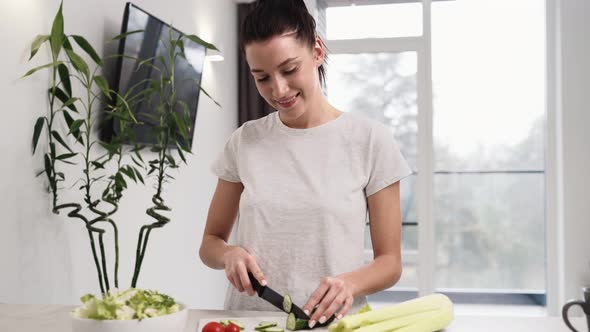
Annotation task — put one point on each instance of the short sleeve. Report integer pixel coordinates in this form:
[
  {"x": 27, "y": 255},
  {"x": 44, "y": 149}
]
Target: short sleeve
[
  {"x": 387, "y": 165},
  {"x": 226, "y": 164}
]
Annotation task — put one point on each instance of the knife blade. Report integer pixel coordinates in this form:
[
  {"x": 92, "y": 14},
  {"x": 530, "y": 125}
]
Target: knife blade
[{"x": 274, "y": 298}]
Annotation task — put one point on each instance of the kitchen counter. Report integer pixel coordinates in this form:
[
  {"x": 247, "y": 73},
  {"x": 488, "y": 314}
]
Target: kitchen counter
[{"x": 55, "y": 318}]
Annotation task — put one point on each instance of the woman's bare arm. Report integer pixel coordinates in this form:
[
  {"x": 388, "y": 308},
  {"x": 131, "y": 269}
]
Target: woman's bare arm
[{"x": 223, "y": 211}]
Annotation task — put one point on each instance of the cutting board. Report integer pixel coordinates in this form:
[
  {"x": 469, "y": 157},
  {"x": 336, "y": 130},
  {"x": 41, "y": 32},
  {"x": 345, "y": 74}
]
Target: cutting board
[{"x": 251, "y": 322}]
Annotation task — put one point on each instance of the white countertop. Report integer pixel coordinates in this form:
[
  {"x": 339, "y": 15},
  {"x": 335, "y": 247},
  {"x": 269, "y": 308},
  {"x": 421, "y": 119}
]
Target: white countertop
[{"x": 55, "y": 318}]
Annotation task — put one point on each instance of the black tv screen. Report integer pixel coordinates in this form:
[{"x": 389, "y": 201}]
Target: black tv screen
[{"x": 154, "y": 41}]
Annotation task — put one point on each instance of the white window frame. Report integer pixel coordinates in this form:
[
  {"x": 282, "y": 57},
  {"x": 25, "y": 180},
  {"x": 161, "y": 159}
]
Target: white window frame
[
  {"x": 421, "y": 45},
  {"x": 425, "y": 163},
  {"x": 554, "y": 244}
]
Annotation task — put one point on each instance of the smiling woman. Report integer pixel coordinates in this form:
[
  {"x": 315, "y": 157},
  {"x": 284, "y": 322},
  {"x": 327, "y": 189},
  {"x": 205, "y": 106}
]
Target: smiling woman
[
  {"x": 291, "y": 79},
  {"x": 291, "y": 83},
  {"x": 303, "y": 180}
]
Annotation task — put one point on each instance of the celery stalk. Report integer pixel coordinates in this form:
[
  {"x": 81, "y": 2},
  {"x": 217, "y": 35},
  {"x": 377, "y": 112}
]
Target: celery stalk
[
  {"x": 419, "y": 305},
  {"x": 439, "y": 320},
  {"x": 396, "y": 323}
]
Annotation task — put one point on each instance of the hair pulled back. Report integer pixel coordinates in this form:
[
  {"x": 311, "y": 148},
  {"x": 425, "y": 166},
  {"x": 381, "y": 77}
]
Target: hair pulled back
[{"x": 269, "y": 18}]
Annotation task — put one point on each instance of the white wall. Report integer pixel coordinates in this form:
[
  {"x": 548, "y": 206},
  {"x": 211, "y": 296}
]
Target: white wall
[
  {"x": 576, "y": 144},
  {"x": 46, "y": 258}
]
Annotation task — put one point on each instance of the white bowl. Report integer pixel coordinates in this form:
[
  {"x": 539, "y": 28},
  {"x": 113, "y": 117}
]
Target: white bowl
[{"x": 175, "y": 322}]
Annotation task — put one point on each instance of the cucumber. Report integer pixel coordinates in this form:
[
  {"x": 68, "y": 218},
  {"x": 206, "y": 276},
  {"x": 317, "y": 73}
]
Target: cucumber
[
  {"x": 287, "y": 303},
  {"x": 326, "y": 323},
  {"x": 264, "y": 325},
  {"x": 294, "y": 324},
  {"x": 273, "y": 329},
  {"x": 235, "y": 322},
  {"x": 224, "y": 322}
]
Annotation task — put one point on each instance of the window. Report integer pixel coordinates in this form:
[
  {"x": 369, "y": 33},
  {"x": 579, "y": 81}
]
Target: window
[
  {"x": 390, "y": 80},
  {"x": 465, "y": 98},
  {"x": 387, "y": 20},
  {"x": 489, "y": 111}
]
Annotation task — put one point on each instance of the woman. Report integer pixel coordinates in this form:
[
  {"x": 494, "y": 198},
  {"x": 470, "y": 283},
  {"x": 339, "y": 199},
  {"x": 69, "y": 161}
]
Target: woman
[{"x": 303, "y": 180}]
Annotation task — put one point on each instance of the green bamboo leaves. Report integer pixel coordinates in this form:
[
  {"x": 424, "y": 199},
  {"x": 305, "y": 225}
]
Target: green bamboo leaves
[
  {"x": 61, "y": 141},
  {"x": 171, "y": 129},
  {"x": 39, "y": 40},
  {"x": 37, "y": 131},
  {"x": 77, "y": 116},
  {"x": 36, "y": 69},
  {"x": 64, "y": 136},
  {"x": 103, "y": 85},
  {"x": 57, "y": 36},
  {"x": 123, "y": 35},
  {"x": 85, "y": 45},
  {"x": 78, "y": 63},
  {"x": 200, "y": 41},
  {"x": 64, "y": 76}
]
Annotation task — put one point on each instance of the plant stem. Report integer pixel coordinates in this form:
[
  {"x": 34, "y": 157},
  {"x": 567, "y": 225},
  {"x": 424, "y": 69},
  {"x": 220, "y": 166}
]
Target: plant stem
[
  {"x": 52, "y": 176},
  {"x": 100, "y": 276},
  {"x": 116, "y": 235},
  {"x": 92, "y": 206},
  {"x": 75, "y": 214},
  {"x": 105, "y": 218},
  {"x": 88, "y": 199},
  {"x": 145, "y": 230},
  {"x": 143, "y": 239},
  {"x": 87, "y": 155},
  {"x": 104, "y": 262}
]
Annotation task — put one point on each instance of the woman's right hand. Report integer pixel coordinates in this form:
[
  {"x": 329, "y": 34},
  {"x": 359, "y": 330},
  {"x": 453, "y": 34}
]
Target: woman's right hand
[{"x": 238, "y": 262}]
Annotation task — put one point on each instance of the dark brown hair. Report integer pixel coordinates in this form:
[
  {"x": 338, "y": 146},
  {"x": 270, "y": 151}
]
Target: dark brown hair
[{"x": 269, "y": 18}]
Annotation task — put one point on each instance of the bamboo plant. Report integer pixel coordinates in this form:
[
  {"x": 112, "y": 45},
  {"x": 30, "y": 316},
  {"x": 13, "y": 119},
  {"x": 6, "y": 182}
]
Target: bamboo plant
[
  {"x": 171, "y": 132},
  {"x": 79, "y": 114}
]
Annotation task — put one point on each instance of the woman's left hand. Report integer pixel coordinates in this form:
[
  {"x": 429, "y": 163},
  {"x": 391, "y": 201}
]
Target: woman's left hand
[{"x": 333, "y": 296}]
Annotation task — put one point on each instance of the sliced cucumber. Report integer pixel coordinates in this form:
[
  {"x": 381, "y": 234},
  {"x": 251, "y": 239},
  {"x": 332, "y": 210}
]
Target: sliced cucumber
[
  {"x": 263, "y": 325},
  {"x": 273, "y": 329},
  {"x": 235, "y": 322},
  {"x": 287, "y": 303},
  {"x": 224, "y": 322},
  {"x": 294, "y": 323}
]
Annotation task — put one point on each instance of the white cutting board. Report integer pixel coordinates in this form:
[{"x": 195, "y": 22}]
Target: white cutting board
[{"x": 250, "y": 322}]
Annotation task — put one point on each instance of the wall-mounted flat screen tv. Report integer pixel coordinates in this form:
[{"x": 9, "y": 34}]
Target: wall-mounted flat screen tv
[{"x": 152, "y": 42}]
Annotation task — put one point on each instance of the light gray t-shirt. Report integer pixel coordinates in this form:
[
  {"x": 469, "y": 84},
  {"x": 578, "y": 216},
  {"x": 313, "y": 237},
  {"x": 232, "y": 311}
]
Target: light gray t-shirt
[{"x": 303, "y": 210}]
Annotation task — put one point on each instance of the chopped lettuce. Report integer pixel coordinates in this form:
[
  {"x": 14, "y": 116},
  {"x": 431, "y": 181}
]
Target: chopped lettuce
[{"x": 128, "y": 304}]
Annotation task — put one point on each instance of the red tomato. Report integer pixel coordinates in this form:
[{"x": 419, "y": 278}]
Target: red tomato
[
  {"x": 213, "y": 327},
  {"x": 232, "y": 328}
]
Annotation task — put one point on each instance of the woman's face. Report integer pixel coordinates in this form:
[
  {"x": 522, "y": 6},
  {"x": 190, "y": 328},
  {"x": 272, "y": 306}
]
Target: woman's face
[{"x": 286, "y": 72}]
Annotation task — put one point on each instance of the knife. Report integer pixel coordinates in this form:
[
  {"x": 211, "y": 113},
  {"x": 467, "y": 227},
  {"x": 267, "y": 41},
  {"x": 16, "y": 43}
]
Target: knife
[{"x": 274, "y": 298}]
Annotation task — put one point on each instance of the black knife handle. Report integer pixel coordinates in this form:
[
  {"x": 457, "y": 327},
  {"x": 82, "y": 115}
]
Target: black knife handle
[
  {"x": 298, "y": 312},
  {"x": 255, "y": 284}
]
